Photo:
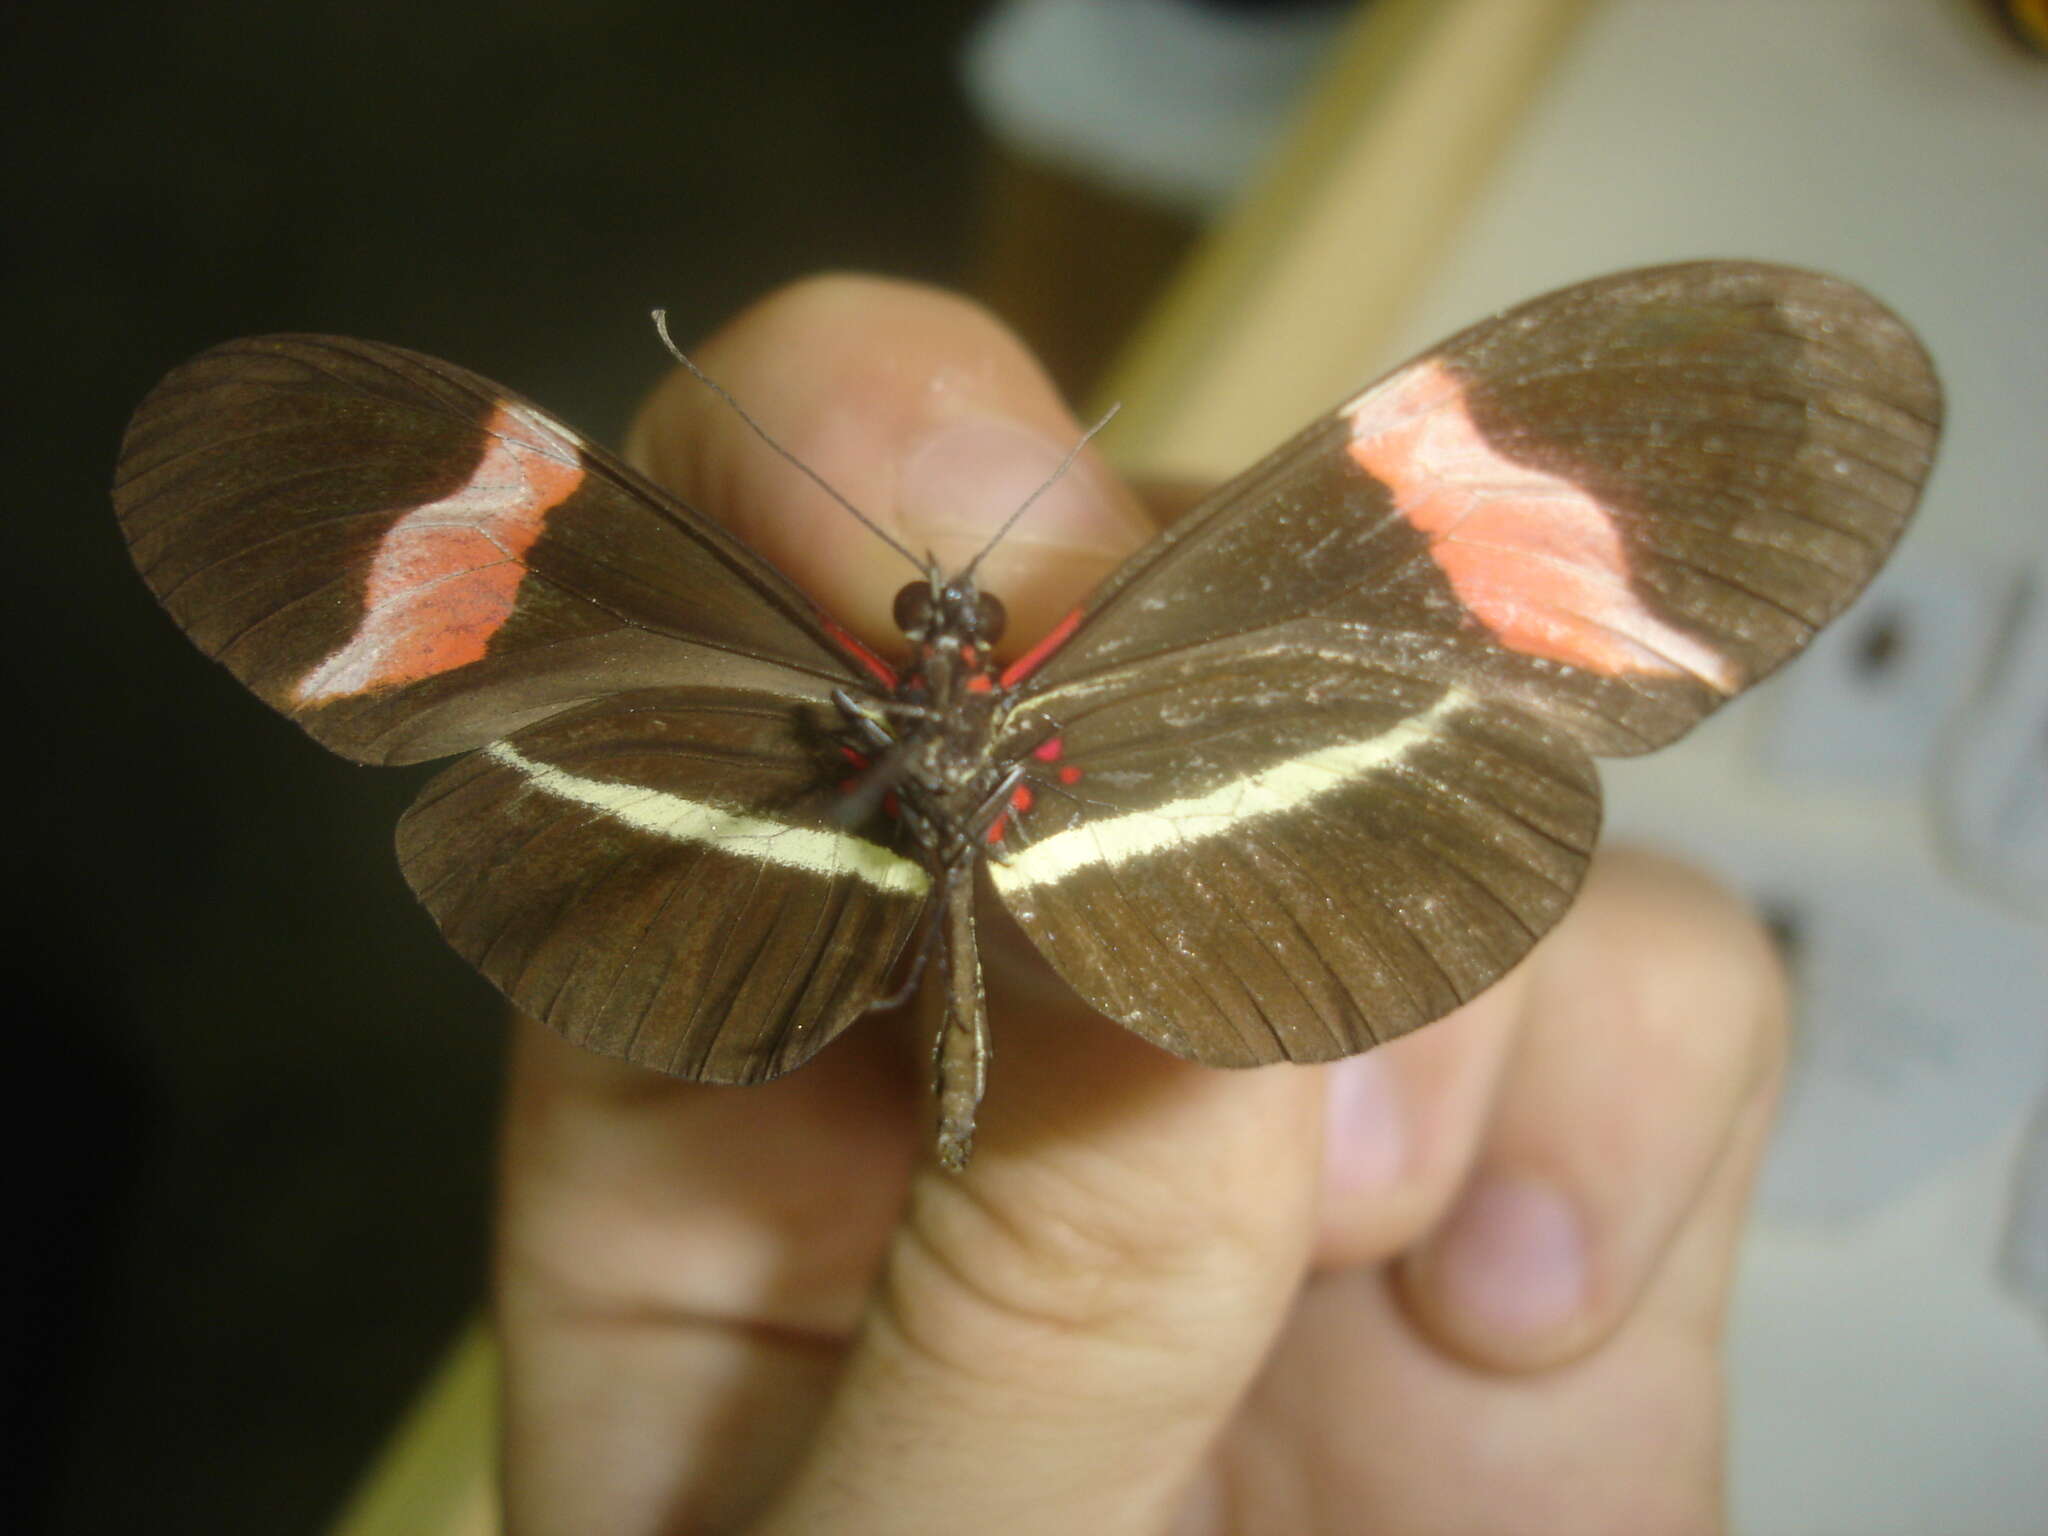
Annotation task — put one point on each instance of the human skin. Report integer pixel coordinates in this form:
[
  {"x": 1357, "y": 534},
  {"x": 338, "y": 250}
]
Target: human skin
[{"x": 1473, "y": 1281}]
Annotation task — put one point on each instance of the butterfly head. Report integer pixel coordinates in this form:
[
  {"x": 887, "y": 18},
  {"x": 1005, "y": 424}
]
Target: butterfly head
[{"x": 956, "y": 607}]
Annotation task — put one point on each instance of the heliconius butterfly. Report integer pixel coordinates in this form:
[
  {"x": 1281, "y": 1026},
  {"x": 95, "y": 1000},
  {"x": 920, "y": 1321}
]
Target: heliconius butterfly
[{"x": 1310, "y": 770}]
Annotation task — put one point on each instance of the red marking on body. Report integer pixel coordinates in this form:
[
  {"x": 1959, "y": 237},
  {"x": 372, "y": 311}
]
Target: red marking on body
[
  {"x": 981, "y": 682},
  {"x": 996, "y": 827},
  {"x": 445, "y": 576},
  {"x": 848, "y": 786},
  {"x": 969, "y": 655},
  {"x": 1049, "y": 750},
  {"x": 854, "y": 755},
  {"x": 1533, "y": 557},
  {"x": 1035, "y": 658},
  {"x": 877, "y": 668},
  {"x": 890, "y": 805},
  {"x": 1021, "y": 798},
  {"x": 1070, "y": 774}
]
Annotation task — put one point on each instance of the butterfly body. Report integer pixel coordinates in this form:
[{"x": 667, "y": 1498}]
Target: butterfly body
[
  {"x": 927, "y": 756},
  {"x": 1310, "y": 770}
]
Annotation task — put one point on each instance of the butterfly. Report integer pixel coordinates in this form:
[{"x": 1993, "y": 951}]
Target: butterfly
[{"x": 1307, "y": 772}]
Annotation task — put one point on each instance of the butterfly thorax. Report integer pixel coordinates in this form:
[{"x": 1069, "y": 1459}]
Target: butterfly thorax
[{"x": 948, "y": 708}]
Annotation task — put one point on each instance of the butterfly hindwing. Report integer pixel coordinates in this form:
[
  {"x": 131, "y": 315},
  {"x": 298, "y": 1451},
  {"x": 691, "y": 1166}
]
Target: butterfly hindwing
[
  {"x": 411, "y": 561},
  {"x": 664, "y": 878},
  {"x": 1260, "y": 867},
  {"x": 1383, "y": 655}
]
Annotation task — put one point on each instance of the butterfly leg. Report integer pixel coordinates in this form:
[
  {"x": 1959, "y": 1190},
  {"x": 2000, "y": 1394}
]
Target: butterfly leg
[
  {"x": 862, "y": 716},
  {"x": 993, "y": 805},
  {"x": 882, "y": 776},
  {"x": 870, "y": 730},
  {"x": 927, "y": 941}
]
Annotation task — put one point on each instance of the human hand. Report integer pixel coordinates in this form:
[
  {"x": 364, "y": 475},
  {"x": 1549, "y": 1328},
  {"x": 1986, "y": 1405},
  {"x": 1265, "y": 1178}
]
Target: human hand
[{"x": 1471, "y": 1281}]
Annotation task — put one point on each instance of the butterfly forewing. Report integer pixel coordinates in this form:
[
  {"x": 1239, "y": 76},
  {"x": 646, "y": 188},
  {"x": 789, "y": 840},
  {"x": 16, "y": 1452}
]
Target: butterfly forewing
[
  {"x": 410, "y": 561},
  {"x": 1312, "y": 768},
  {"x": 1618, "y": 505}
]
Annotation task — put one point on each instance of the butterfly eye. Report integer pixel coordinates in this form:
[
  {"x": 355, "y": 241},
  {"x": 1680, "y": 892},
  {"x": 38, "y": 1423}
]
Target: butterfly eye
[
  {"x": 987, "y": 618},
  {"x": 913, "y": 610}
]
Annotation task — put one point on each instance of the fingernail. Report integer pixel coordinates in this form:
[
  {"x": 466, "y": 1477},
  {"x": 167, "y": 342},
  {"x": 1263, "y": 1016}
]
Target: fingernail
[
  {"x": 1365, "y": 1142},
  {"x": 962, "y": 481},
  {"x": 1512, "y": 1258}
]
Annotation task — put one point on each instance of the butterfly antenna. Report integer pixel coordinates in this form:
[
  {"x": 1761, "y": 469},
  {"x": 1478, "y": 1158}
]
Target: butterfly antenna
[
  {"x": 1051, "y": 480},
  {"x": 718, "y": 389}
]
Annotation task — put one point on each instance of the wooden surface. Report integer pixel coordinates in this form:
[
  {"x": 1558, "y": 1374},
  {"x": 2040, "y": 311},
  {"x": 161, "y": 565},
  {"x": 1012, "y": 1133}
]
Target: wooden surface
[
  {"x": 439, "y": 1474},
  {"x": 1293, "y": 300}
]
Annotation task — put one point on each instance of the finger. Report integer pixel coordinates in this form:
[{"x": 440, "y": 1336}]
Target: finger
[
  {"x": 1626, "y": 1434},
  {"x": 1061, "y": 1332},
  {"x": 1403, "y": 1123},
  {"x": 921, "y": 411},
  {"x": 674, "y": 1280},
  {"x": 1654, "y": 1018},
  {"x": 1627, "y": 1437}
]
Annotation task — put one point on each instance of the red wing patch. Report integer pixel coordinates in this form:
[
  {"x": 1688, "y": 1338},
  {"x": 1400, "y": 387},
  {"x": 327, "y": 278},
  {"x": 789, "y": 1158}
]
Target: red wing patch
[
  {"x": 446, "y": 575},
  {"x": 877, "y": 668},
  {"x": 1034, "y": 658},
  {"x": 1533, "y": 557}
]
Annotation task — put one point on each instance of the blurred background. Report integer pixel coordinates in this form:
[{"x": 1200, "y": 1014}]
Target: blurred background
[
  {"x": 254, "y": 1093},
  {"x": 252, "y": 1210}
]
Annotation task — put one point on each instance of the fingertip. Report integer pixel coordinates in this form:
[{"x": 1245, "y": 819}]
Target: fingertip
[
  {"x": 1671, "y": 929},
  {"x": 1654, "y": 1026},
  {"x": 919, "y": 408},
  {"x": 1506, "y": 1283},
  {"x": 1403, "y": 1124}
]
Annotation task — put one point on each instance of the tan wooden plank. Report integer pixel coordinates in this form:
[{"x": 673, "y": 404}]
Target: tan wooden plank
[{"x": 1293, "y": 298}]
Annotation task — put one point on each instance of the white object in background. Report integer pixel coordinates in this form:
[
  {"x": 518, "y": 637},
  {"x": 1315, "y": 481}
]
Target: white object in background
[
  {"x": 1885, "y": 1382},
  {"x": 1922, "y": 1017},
  {"x": 1991, "y": 795},
  {"x": 2023, "y": 1257},
  {"x": 1920, "y": 1035},
  {"x": 1172, "y": 102},
  {"x": 1869, "y": 705}
]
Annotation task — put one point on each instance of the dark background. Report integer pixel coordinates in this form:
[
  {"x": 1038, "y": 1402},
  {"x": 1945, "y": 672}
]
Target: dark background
[{"x": 252, "y": 1091}]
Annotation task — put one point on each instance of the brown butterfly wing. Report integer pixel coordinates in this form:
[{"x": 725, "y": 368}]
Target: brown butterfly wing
[{"x": 1322, "y": 764}]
